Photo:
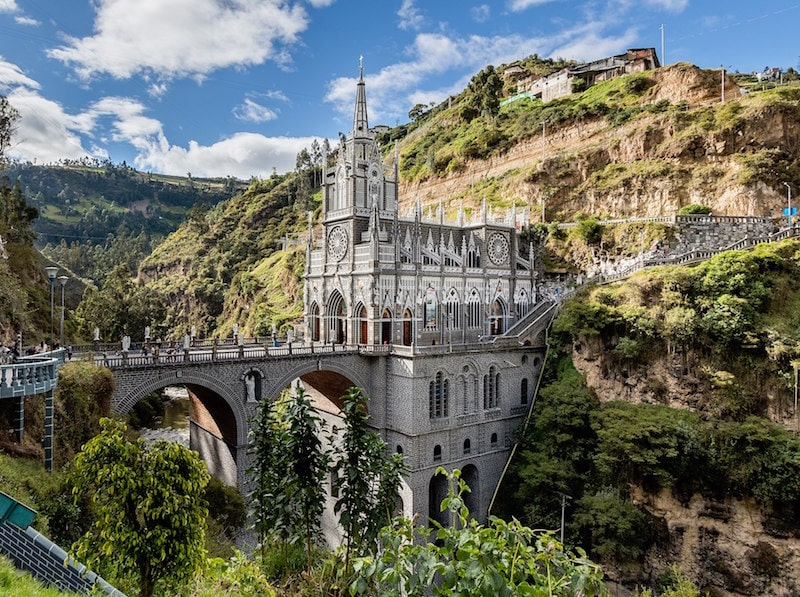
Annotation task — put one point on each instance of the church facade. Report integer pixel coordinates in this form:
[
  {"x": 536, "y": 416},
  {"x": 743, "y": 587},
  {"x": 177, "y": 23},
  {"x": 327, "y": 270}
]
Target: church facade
[{"x": 439, "y": 300}]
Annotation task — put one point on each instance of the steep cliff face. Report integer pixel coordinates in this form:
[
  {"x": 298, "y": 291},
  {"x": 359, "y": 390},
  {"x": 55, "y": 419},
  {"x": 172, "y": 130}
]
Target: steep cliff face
[{"x": 651, "y": 160}]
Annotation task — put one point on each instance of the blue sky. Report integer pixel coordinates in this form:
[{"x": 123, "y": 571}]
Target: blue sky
[{"x": 238, "y": 87}]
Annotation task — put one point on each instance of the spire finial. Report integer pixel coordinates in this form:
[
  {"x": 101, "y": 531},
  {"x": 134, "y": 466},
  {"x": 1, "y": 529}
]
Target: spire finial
[{"x": 361, "y": 67}]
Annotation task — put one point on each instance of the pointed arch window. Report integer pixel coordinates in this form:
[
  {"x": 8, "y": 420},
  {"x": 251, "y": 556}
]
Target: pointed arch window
[
  {"x": 452, "y": 308},
  {"x": 473, "y": 309}
]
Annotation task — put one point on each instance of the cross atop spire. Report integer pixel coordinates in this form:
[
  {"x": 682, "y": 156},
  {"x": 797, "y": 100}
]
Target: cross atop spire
[{"x": 360, "y": 124}]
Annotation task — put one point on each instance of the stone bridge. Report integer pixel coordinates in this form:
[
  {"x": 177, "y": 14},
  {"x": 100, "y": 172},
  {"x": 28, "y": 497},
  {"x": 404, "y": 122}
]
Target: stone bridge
[
  {"x": 226, "y": 385},
  {"x": 471, "y": 430}
]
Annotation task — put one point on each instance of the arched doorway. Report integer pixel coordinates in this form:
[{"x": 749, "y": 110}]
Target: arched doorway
[
  {"x": 471, "y": 498},
  {"x": 386, "y": 327},
  {"x": 437, "y": 491},
  {"x": 497, "y": 317},
  {"x": 337, "y": 324},
  {"x": 363, "y": 324},
  {"x": 407, "y": 327},
  {"x": 313, "y": 322}
]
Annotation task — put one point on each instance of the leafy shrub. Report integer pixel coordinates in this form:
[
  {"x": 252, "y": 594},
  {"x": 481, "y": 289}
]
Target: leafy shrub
[
  {"x": 466, "y": 558},
  {"x": 612, "y": 527},
  {"x": 589, "y": 231},
  {"x": 694, "y": 208}
]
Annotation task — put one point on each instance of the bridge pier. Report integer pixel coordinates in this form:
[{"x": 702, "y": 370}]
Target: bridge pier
[
  {"x": 19, "y": 418},
  {"x": 49, "y": 419}
]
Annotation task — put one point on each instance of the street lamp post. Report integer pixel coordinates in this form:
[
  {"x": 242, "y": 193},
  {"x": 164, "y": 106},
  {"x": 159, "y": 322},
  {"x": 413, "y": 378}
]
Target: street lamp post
[
  {"x": 789, "y": 202},
  {"x": 63, "y": 280},
  {"x": 52, "y": 271},
  {"x": 564, "y": 498}
]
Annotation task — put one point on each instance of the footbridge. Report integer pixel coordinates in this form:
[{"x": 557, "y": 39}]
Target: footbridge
[{"x": 32, "y": 376}]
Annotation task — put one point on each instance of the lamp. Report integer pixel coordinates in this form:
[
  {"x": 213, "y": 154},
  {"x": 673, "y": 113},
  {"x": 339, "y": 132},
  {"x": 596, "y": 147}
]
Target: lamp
[
  {"x": 63, "y": 280},
  {"x": 52, "y": 271},
  {"x": 789, "y": 201}
]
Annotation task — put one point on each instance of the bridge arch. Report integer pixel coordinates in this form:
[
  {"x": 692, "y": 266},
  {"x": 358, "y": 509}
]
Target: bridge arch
[
  {"x": 231, "y": 396},
  {"x": 347, "y": 368}
]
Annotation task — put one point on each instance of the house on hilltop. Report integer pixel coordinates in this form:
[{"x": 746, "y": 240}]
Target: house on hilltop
[{"x": 562, "y": 83}]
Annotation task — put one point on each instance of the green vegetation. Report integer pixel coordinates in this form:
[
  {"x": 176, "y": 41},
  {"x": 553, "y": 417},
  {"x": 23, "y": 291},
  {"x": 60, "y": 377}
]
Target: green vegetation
[
  {"x": 694, "y": 209},
  {"x": 290, "y": 466},
  {"x": 111, "y": 213},
  {"x": 14, "y": 583},
  {"x": 465, "y": 558},
  {"x": 148, "y": 523},
  {"x": 121, "y": 308},
  {"x": 225, "y": 266},
  {"x": 728, "y": 321}
]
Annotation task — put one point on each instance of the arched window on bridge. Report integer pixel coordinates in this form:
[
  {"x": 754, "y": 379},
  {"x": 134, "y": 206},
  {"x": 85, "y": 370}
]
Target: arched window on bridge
[
  {"x": 408, "y": 327},
  {"x": 522, "y": 303},
  {"x": 362, "y": 324},
  {"x": 452, "y": 309},
  {"x": 497, "y": 317},
  {"x": 431, "y": 309},
  {"x": 386, "y": 327}
]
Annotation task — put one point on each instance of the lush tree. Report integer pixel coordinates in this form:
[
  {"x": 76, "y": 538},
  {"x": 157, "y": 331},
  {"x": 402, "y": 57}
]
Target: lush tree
[
  {"x": 268, "y": 464},
  {"x": 121, "y": 307},
  {"x": 367, "y": 480},
  {"x": 466, "y": 558},
  {"x": 8, "y": 119},
  {"x": 309, "y": 467},
  {"x": 482, "y": 96},
  {"x": 148, "y": 510},
  {"x": 611, "y": 526}
]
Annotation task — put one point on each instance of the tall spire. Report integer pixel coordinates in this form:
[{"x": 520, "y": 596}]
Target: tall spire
[{"x": 360, "y": 123}]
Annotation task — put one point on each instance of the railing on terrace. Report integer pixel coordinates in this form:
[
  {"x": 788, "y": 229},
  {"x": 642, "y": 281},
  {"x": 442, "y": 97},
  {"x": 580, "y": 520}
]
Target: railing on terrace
[
  {"x": 696, "y": 255},
  {"x": 674, "y": 219},
  {"x": 30, "y": 375}
]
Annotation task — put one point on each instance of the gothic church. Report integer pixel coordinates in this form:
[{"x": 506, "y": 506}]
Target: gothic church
[{"x": 442, "y": 302}]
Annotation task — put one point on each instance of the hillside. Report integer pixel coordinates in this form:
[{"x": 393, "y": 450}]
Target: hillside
[
  {"x": 667, "y": 404},
  {"x": 643, "y": 144},
  {"x": 225, "y": 266},
  {"x": 92, "y": 216}
]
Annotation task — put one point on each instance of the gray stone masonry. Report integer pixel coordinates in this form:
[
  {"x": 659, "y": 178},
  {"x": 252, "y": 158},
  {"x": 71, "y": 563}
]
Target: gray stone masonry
[{"x": 48, "y": 563}]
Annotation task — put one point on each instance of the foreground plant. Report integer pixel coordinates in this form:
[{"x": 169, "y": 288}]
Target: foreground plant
[{"x": 501, "y": 559}]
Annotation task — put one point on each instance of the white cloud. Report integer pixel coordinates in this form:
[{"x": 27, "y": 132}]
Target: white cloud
[
  {"x": 593, "y": 46},
  {"x": 182, "y": 37},
  {"x": 250, "y": 111},
  {"x": 11, "y": 76},
  {"x": 410, "y": 16},
  {"x": 480, "y": 14},
  {"x": 670, "y": 5},
  {"x": 321, "y": 3},
  {"x": 8, "y": 6},
  {"x": 242, "y": 155},
  {"x": 520, "y": 5},
  {"x": 44, "y": 132},
  {"x": 27, "y": 21}
]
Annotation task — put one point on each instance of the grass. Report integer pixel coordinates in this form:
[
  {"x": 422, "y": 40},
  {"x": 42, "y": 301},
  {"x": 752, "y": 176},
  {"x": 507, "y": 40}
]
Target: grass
[{"x": 14, "y": 583}]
